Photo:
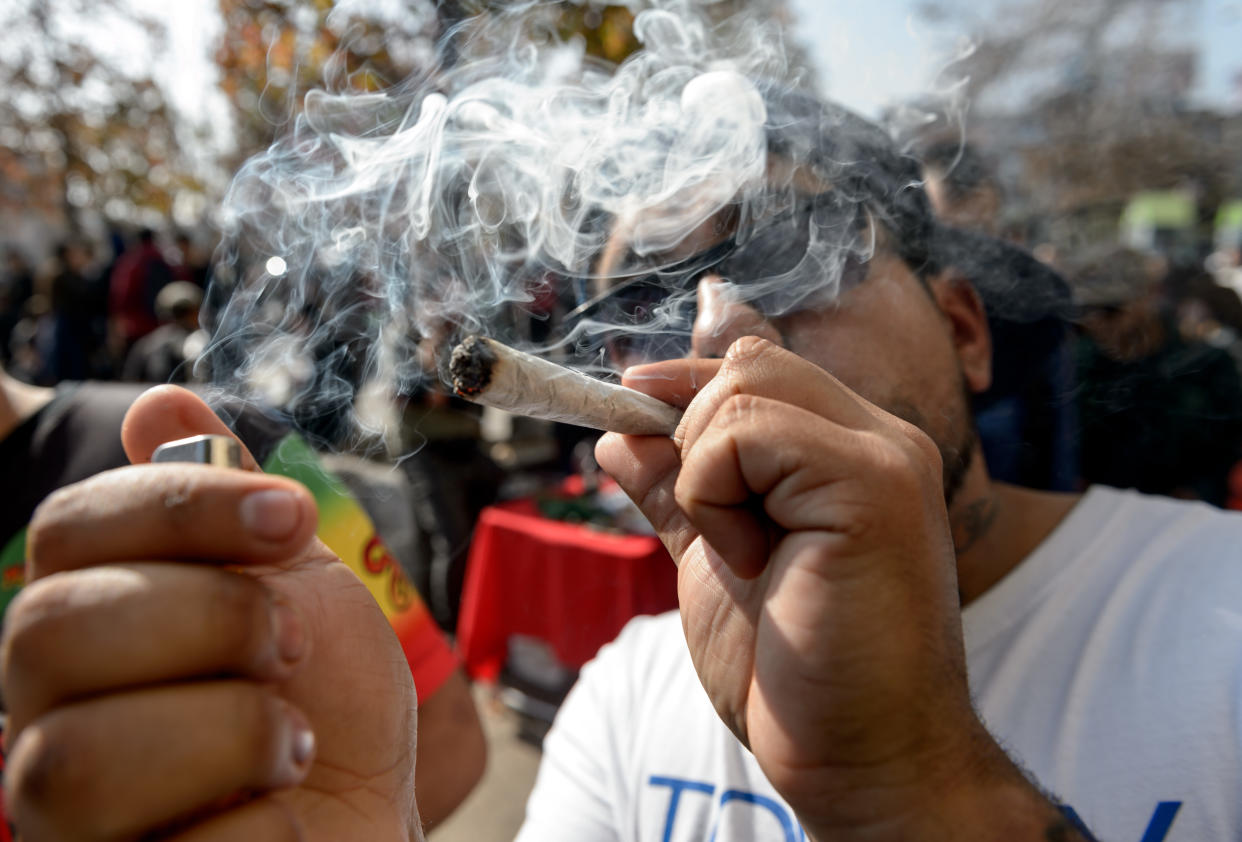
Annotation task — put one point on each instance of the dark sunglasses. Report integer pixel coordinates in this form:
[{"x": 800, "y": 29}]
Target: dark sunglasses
[{"x": 650, "y": 315}]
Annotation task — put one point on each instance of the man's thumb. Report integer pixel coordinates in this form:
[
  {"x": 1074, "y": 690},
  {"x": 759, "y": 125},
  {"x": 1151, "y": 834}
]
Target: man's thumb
[{"x": 168, "y": 413}]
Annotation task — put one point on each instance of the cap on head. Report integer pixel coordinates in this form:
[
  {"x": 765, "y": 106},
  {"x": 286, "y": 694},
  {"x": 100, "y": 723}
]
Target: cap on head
[
  {"x": 1111, "y": 278},
  {"x": 177, "y": 299}
]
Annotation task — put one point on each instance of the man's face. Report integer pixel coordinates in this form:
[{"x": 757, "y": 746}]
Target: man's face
[
  {"x": 917, "y": 351},
  {"x": 1127, "y": 330},
  {"x": 912, "y": 351}
]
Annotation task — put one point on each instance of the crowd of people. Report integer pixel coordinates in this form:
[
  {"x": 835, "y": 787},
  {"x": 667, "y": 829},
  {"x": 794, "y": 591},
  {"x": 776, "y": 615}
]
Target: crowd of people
[
  {"x": 1144, "y": 391},
  {"x": 101, "y": 311},
  {"x": 894, "y": 640}
]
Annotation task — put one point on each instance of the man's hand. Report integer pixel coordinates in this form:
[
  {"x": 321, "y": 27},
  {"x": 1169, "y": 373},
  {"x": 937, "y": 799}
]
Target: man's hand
[
  {"x": 190, "y": 662},
  {"x": 817, "y": 582}
]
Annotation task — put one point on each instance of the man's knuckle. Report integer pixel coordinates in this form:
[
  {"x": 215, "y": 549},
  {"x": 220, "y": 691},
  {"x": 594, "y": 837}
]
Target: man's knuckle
[
  {"x": 924, "y": 455},
  {"x": 747, "y": 349},
  {"x": 32, "y": 627},
  {"x": 47, "y": 536},
  {"x": 179, "y": 492},
  {"x": 686, "y": 492},
  {"x": 45, "y": 773},
  {"x": 895, "y": 463},
  {"x": 239, "y": 612},
  {"x": 261, "y": 716},
  {"x": 740, "y": 407},
  {"x": 655, "y": 499}
]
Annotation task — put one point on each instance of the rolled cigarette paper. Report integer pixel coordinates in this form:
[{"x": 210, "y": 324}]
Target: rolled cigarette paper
[{"x": 489, "y": 373}]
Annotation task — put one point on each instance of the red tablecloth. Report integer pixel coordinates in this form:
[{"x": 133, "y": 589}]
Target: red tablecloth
[{"x": 568, "y": 585}]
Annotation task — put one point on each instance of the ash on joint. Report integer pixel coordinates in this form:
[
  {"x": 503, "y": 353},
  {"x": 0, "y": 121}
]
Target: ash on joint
[{"x": 471, "y": 366}]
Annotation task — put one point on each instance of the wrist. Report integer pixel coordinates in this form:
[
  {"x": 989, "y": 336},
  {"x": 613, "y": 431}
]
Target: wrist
[{"x": 987, "y": 798}]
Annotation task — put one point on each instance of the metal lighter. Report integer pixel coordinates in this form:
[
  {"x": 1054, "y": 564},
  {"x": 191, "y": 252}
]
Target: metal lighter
[{"x": 221, "y": 451}]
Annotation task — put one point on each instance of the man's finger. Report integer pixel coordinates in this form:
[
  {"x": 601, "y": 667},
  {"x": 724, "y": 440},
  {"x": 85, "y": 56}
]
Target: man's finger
[
  {"x": 672, "y": 381},
  {"x": 117, "y": 766},
  {"x": 804, "y": 471},
  {"x": 265, "y": 818},
  {"x": 175, "y": 511},
  {"x": 722, "y": 317},
  {"x": 757, "y": 367},
  {"x": 754, "y": 445},
  {"x": 87, "y": 632},
  {"x": 646, "y": 469},
  {"x": 168, "y": 413}
]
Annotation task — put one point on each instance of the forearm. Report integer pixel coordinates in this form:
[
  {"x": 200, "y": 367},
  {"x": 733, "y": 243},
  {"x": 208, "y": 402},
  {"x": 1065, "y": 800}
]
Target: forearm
[{"x": 452, "y": 751}]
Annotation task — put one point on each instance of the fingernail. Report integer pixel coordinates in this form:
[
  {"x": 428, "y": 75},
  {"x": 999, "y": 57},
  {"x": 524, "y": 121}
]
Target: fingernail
[
  {"x": 298, "y": 748},
  {"x": 290, "y": 635},
  {"x": 272, "y": 515},
  {"x": 303, "y": 746}
]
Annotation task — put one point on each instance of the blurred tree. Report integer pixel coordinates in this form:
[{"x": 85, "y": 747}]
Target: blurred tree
[
  {"x": 274, "y": 51},
  {"x": 1094, "y": 96},
  {"x": 1023, "y": 50},
  {"x": 80, "y": 128},
  {"x": 608, "y": 31}
]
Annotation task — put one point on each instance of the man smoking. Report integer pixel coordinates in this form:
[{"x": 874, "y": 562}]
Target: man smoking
[{"x": 892, "y": 645}]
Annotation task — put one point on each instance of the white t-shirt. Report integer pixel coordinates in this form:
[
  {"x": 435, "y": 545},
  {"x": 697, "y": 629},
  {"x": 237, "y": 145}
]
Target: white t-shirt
[{"x": 1109, "y": 664}]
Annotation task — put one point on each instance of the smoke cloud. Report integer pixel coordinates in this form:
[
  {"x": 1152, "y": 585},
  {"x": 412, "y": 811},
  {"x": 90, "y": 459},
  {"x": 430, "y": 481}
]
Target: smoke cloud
[{"x": 519, "y": 171}]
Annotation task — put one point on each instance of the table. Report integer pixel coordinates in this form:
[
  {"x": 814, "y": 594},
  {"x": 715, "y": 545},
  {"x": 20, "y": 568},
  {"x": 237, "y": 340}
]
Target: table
[{"x": 568, "y": 585}]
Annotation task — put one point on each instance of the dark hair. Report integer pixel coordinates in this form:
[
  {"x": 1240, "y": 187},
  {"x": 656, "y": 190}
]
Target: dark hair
[
  {"x": 858, "y": 159},
  {"x": 62, "y": 248},
  {"x": 960, "y": 167}
]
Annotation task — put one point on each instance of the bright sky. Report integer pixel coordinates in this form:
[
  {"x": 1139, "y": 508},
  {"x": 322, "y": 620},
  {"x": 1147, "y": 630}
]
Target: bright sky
[
  {"x": 1220, "y": 31},
  {"x": 872, "y": 53},
  {"x": 876, "y": 52},
  {"x": 187, "y": 68}
]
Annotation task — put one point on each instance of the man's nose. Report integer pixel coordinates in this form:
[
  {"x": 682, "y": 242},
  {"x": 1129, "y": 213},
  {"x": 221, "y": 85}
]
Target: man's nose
[{"x": 722, "y": 319}]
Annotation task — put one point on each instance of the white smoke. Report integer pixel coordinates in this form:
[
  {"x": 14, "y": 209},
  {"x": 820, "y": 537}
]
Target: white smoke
[{"x": 446, "y": 204}]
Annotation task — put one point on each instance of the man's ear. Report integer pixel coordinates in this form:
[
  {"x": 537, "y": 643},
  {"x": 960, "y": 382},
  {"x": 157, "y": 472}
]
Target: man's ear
[{"x": 968, "y": 320}]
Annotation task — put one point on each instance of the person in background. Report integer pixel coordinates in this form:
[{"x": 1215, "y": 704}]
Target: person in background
[
  {"x": 161, "y": 356},
  {"x": 190, "y": 265},
  {"x": 25, "y": 354},
  {"x": 962, "y": 186},
  {"x": 54, "y": 437},
  {"x": 1207, "y": 312},
  {"x": 16, "y": 287},
  {"x": 137, "y": 278},
  {"x": 451, "y": 479},
  {"x": 1225, "y": 265},
  {"x": 1027, "y": 421},
  {"x": 68, "y": 337},
  {"x": 1159, "y": 413}
]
